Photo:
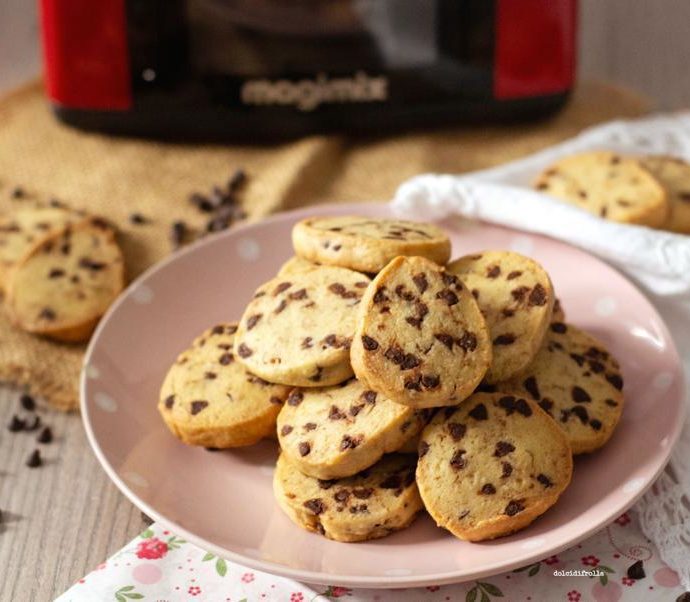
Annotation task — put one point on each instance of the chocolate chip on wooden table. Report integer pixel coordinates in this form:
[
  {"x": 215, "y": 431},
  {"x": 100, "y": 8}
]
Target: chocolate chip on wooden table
[
  {"x": 146, "y": 519},
  {"x": 45, "y": 436},
  {"x": 636, "y": 570},
  {"x": 16, "y": 424},
  {"x": 27, "y": 402},
  {"x": 34, "y": 460}
]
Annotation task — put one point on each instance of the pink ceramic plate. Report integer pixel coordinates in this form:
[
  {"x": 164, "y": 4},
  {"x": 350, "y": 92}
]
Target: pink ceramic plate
[{"x": 223, "y": 501}]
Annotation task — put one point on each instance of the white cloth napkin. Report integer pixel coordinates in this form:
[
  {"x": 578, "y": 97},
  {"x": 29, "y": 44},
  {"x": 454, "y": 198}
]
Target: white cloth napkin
[{"x": 658, "y": 261}]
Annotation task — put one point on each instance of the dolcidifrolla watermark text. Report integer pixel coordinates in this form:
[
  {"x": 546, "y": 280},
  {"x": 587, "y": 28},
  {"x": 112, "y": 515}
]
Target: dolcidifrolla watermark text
[{"x": 579, "y": 573}]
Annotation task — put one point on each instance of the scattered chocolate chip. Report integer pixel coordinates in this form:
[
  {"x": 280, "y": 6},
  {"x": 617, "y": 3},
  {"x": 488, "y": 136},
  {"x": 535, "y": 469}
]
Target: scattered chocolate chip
[
  {"x": 530, "y": 384},
  {"x": 522, "y": 407},
  {"x": 316, "y": 505},
  {"x": 409, "y": 362},
  {"x": 307, "y": 343},
  {"x": 430, "y": 381},
  {"x": 362, "y": 493},
  {"x": 309, "y": 426},
  {"x": 137, "y": 219},
  {"x": 544, "y": 480},
  {"x": 506, "y": 469},
  {"x": 423, "y": 448},
  {"x": 253, "y": 320},
  {"x": 225, "y": 359},
  {"x": 178, "y": 233},
  {"x": 581, "y": 413},
  {"x": 488, "y": 489},
  {"x": 304, "y": 448},
  {"x": 316, "y": 377},
  {"x": 394, "y": 354},
  {"x": 507, "y": 402},
  {"x": 458, "y": 462},
  {"x": 282, "y": 287},
  {"x": 56, "y": 273},
  {"x": 369, "y": 343},
  {"x": 595, "y": 424},
  {"x": 538, "y": 296},
  {"x": 464, "y": 514},
  {"x": 336, "y": 413},
  {"x": 47, "y": 314},
  {"x": 514, "y": 274},
  {"x": 479, "y": 412},
  {"x": 636, "y": 571},
  {"x": 615, "y": 380},
  {"x": 611, "y": 403},
  {"x": 17, "y": 193},
  {"x": 326, "y": 483},
  {"x": 546, "y": 405},
  {"x": 448, "y": 296},
  {"x": 27, "y": 402},
  {"x": 286, "y": 430},
  {"x": 356, "y": 409},
  {"x": 414, "y": 384},
  {"x": 420, "y": 281},
  {"x": 391, "y": 482},
  {"x": 198, "y": 406},
  {"x": 504, "y": 339},
  {"x": 349, "y": 442},
  {"x": 298, "y": 295},
  {"x": 380, "y": 295},
  {"x": 342, "y": 495},
  {"x": 295, "y": 398},
  {"x": 237, "y": 180},
  {"x": 16, "y": 424},
  {"x": 579, "y": 395},
  {"x": 503, "y": 448},
  {"x": 457, "y": 431},
  {"x": 559, "y": 327},
  {"x": 359, "y": 509},
  {"x": 444, "y": 338},
  {"x": 244, "y": 351},
  {"x": 34, "y": 460},
  {"x": 467, "y": 342},
  {"x": 493, "y": 271},
  {"x": 169, "y": 401},
  {"x": 45, "y": 436},
  {"x": 514, "y": 506}
]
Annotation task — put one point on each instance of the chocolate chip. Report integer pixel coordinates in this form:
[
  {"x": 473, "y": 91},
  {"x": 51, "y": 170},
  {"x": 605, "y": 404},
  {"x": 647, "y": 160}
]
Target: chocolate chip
[
  {"x": 394, "y": 354},
  {"x": 514, "y": 274},
  {"x": 467, "y": 342},
  {"x": 237, "y": 180},
  {"x": 56, "y": 273},
  {"x": 253, "y": 320},
  {"x": 298, "y": 295},
  {"x": 16, "y": 424},
  {"x": 283, "y": 286},
  {"x": 45, "y": 436},
  {"x": 304, "y": 448},
  {"x": 34, "y": 460},
  {"x": 342, "y": 495},
  {"x": 506, "y": 469},
  {"x": 409, "y": 362},
  {"x": 559, "y": 327},
  {"x": 444, "y": 338},
  {"x": 137, "y": 219},
  {"x": 286, "y": 430},
  {"x": 420, "y": 281},
  {"x": 210, "y": 375},
  {"x": 47, "y": 314},
  {"x": 544, "y": 480},
  {"x": 280, "y": 307},
  {"x": 538, "y": 296},
  {"x": 295, "y": 398},
  {"x": 362, "y": 493},
  {"x": 380, "y": 295},
  {"x": 309, "y": 426},
  {"x": 349, "y": 442},
  {"x": 514, "y": 506},
  {"x": 362, "y": 284},
  {"x": 414, "y": 384},
  {"x": 169, "y": 401},
  {"x": 475, "y": 293},
  {"x": 198, "y": 406},
  {"x": 336, "y": 414},
  {"x": 595, "y": 424},
  {"x": 448, "y": 296},
  {"x": 27, "y": 402},
  {"x": 326, "y": 483},
  {"x": 636, "y": 571},
  {"x": 519, "y": 293},
  {"x": 581, "y": 413},
  {"x": 504, "y": 339},
  {"x": 464, "y": 514},
  {"x": 225, "y": 359},
  {"x": 611, "y": 403},
  {"x": 356, "y": 409},
  {"x": 359, "y": 509},
  {"x": 523, "y": 408},
  {"x": 457, "y": 431},
  {"x": 316, "y": 377},
  {"x": 458, "y": 462},
  {"x": 615, "y": 380},
  {"x": 479, "y": 412},
  {"x": 530, "y": 384},
  {"x": 596, "y": 367},
  {"x": 307, "y": 343},
  {"x": 488, "y": 489},
  {"x": 391, "y": 482},
  {"x": 430, "y": 381},
  {"x": 423, "y": 448},
  {"x": 546, "y": 405},
  {"x": 451, "y": 280},
  {"x": 507, "y": 402},
  {"x": 503, "y": 448},
  {"x": 316, "y": 505},
  {"x": 369, "y": 343},
  {"x": 403, "y": 293},
  {"x": 244, "y": 351},
  {"x": 178, "y": 232},
  {"x": 579, "y": 395},
  {"x": 493, "y": 271},
  {"x": 17, "y": 193}
]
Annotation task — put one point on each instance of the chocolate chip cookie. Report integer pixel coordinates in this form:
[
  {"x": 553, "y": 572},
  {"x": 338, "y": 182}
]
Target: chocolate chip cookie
[
  {"x": 578, "y": 383},
  {"x": 21, "y": 229},
  {"x": 492, "y": 465},
  {"x": 295, "y": 265},
  {"x": 209, "y": 399},
  {"x": 367, "y": 244},
  {"x": 66, "y": 282},
  {"x": 609, "y": 185},
  {"x": 420, "y": 339},
  {"x": 674, "y": 175},
  {"x": 297, "y": 329},
  {"x": 372, "y": 504},
  {"x": 337, "y": 431},
  {"x": 515, "y": 295}
]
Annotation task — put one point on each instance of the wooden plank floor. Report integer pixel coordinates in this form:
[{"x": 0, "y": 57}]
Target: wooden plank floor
[{"x": 60, "y": 520}]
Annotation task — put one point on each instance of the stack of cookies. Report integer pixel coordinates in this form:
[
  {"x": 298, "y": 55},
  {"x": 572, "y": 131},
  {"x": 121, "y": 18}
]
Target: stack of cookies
[
  {"x": 651, "y": 191},
  {"x": 396, "y": 381},
  {"x": 60, "y": 269}
]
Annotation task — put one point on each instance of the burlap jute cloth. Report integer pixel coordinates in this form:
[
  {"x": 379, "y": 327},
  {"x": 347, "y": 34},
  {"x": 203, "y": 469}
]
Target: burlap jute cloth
[{"x": 114, "y": 177}]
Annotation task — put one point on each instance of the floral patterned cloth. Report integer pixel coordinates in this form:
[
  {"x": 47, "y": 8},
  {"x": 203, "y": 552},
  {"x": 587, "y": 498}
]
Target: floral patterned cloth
[{"x": 158, "y": 566}]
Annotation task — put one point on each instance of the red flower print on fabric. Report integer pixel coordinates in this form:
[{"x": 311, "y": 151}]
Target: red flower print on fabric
[
  {"x": 152, "y": 549},
  {"x": 574, "y": 596},
  {"x": 247, "y": 577},
  {"x": 590, "y": 560},
  {"x": 623, "y": 519}
]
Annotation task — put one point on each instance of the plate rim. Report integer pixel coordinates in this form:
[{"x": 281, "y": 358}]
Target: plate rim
[{"x": 356, "y": 581}]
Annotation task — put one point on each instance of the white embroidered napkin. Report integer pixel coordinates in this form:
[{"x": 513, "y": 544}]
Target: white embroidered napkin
[{"x": 659, "y": 262}]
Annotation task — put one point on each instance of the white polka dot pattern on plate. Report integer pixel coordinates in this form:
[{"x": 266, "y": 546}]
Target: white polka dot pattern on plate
[
  {"x": 105, "y": 402},
  {"x": 248, "y": 249},
  {"x": 142, "y": 294},
  {"x": 633, "y": 485},
  {"x": 134, "y": 478},
  {"x": 662, "y": 381},
  {"x": 605, "y": 306},
  {"x": 92, "y": 372},
  {"x": 522, "y": 244}
]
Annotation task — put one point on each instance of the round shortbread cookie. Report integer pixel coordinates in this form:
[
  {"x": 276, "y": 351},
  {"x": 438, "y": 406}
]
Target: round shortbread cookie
[
  {"x": 492, "y": 465},
  {"x": 609, "y": 185},
  {"x": 337, "y": 431},
  {"x": 421, "y": 339},
  {"x": 372, "y": 504},
  {"x": 515, "y": 295},
  {"x": 296, "y": 265},
  {"x": 577, "y": 382},
  {"x": 209, "y": 399},
  {"x": 26, "y": 225},
  {"x": 367, "y": 244},
  {"x": 297, "y": 329},
  {"x": 674, "y": 175},
  {"x": 66, "y": 282}
]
